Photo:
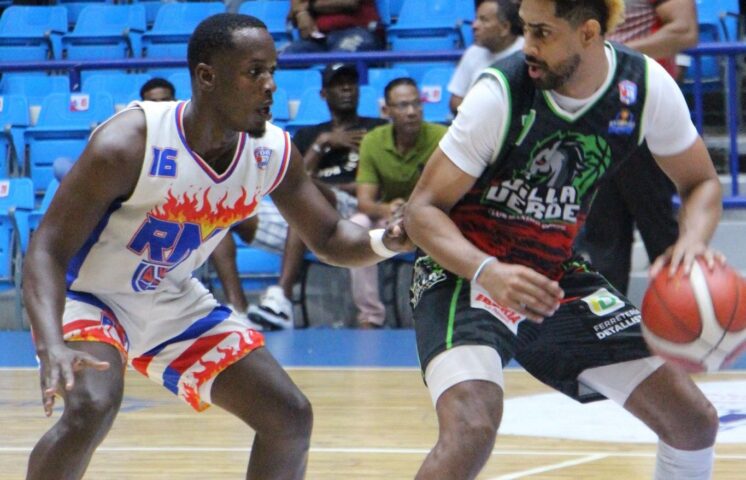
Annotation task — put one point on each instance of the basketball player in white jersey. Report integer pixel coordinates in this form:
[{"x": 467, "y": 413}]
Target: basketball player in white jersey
[{"x": 108, "y": 282}]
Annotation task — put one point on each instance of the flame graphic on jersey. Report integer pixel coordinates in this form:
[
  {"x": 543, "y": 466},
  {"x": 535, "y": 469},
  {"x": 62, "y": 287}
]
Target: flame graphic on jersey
[{"x": 187, "y": 209}]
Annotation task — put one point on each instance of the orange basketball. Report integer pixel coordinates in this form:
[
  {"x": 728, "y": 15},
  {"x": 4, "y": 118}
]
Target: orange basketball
[{"x": 697, "y": 321}]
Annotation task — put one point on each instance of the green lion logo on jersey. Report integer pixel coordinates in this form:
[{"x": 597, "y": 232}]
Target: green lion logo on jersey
[
  {"x": 562, "y": 169},
  {"x": 568, "y": 158}
]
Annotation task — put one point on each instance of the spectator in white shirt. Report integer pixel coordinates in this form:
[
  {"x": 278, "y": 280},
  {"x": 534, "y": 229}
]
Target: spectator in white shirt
[{"x": 497, "y": 34}]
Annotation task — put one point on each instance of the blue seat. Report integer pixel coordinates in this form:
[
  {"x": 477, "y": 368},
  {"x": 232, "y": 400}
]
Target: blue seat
[
  {"x": 174, "y": 25},
  {"x": 422, "y": 43},
  {"x": 388, "y": 10},
  {"x": 182, "y": 84},
  {"x": 123, "y": 87},
  {"x": 311, "y": 110},
  {"x": 166, "y": 72},
  {"x": 16, "y": 195},
  {"x": 14, "y": 119},
  {"x": 257, "y": 268},
  {"x": 436, "y": 20},
  {"x": 151, "y": 9},
  {"x": 280, "y": 108},
  {"x": 368, "y": 104},
  {"x": 106, "y": 32},
  {"x": 76, "y": 7},
  {"x": 274, "y": 14},
  {"x": 296, "y": 82},
  {"x": 62, "y": 131},
  {"x": 433, "y": 89},
  {"x": 32, "y": 33},
  {"x": 28, "y": 220},
  {"x": 724, "y": 13},
  {"x": 33, "y": 86},
  {"x": 378, "y": 78},
  {"x": 417, "y": 70}
]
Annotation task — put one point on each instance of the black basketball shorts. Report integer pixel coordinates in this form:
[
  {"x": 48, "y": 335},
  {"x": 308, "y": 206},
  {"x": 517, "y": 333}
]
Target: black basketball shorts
[{"x": 594, "y": 326}]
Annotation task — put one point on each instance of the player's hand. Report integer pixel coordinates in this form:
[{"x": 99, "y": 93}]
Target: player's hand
[
  {"x": 682, "y": 254},
  {"x": 395, "y": 237},
  {"x": 521, "y": 289},
  {"x": 396, "y": 208},
  {"x": 58, "y": 367},
  {"x": 339, "y": 138},
  {"x": 306, "y": 25}
]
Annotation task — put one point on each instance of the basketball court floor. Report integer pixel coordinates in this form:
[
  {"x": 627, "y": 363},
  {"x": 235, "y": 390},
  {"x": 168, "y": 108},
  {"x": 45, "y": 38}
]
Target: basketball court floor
[{"x": 373, "y": 420}]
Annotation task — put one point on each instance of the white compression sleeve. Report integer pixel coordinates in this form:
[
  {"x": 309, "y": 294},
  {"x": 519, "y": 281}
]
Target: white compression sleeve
[{"x": 672, "y": 463}]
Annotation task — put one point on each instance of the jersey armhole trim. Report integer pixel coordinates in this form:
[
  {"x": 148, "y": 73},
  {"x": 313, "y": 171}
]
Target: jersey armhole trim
[
  {"x": 283, "y": 166},
  {"x": 641, "y": 136}
]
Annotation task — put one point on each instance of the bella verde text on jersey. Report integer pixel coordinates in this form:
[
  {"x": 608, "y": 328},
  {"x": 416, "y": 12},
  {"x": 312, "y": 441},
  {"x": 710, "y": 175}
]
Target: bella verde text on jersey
[{"x": 541, "y": 203}]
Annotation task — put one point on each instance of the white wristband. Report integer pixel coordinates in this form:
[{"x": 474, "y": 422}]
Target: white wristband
[
  {"x": 376, "y": 244},
  {"x": 481, "y": 267}
]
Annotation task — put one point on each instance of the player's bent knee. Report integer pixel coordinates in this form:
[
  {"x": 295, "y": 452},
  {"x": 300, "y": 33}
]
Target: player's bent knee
[
  {"x": 91, "y": 410},
  {"x": 700, "y": 428},
  {"x": 469, "y": 414},
  {"x": 297, "y": 417}
]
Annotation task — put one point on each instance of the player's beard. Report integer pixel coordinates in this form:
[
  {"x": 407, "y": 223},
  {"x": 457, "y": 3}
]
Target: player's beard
[{"x": 555, "y": 78}]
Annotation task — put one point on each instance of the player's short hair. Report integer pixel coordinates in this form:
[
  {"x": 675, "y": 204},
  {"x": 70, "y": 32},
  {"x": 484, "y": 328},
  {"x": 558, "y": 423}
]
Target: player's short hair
[
  {"x": 395, "y": 83},
  {"x": 507, "y": 11},
  {"x": 157, "y": 82},
  {"x": 215, "y": 34},
  {"x": 608, "y": 13}
]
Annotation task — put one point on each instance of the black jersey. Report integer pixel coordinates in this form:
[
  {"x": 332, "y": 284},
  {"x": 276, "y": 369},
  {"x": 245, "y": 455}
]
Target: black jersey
[{"x": 528, "y": 206}]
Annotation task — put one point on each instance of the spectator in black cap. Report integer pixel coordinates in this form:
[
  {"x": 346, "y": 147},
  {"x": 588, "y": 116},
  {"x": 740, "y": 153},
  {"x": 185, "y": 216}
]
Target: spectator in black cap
[{"x": 330, "y": 152}]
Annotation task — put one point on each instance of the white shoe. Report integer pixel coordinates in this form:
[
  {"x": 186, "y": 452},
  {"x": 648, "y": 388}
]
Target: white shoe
[{"x": 274, "y": 312}]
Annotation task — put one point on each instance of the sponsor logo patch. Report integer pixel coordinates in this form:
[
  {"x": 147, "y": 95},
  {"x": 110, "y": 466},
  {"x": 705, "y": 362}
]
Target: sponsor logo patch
[
  {"x": 508, "y": 316},
  {"x": 262, "y": 155},
  {"x": 602, "y": 302},
  {"x": 623, "y": 124},
  {"x": 627, "y": 92}
]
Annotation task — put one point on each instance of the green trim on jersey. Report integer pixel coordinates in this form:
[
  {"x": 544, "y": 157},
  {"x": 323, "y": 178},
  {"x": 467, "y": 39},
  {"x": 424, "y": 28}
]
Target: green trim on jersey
[
  {"x": 503, "y": 81},
  {"x": 527, "y": 121},
  {"x": 452, "y": 312},
  {"x": 572, "y": 117}
]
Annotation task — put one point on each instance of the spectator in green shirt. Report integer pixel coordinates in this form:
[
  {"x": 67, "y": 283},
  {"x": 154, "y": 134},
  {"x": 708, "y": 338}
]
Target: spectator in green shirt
[{"x": 391, "y": 159}]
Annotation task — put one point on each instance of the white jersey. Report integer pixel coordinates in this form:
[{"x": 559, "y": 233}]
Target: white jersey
[{"x": 179, "y": 211}]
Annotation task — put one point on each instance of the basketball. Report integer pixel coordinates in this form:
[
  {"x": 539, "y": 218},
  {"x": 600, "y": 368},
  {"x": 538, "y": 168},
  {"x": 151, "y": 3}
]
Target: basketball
[{"x": 696, "y": 321}]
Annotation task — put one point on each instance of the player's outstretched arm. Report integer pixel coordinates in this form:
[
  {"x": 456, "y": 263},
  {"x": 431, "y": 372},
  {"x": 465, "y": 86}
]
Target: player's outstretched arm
[
  {"x": 106, "y": 171},
  {"x": 427, "y": 222},
  {"x": 332, "y": 239},
  {"x": 696, "y": 180}
]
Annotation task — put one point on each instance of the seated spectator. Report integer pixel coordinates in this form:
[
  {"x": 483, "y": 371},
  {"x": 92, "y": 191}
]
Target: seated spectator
[
  {"x": 158, "y": 90},
  {"x": 391, "y": 160},
  {"x": 330, "y": 153},
  {"x": 497, "y": 34},
  {"x": 335, "y": 26}
]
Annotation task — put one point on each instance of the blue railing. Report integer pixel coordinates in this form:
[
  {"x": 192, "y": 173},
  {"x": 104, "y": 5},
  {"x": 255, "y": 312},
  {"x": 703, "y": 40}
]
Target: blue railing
[
  {"x": 730, "y": 50},
  {"x": 361, "y": 59}
]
